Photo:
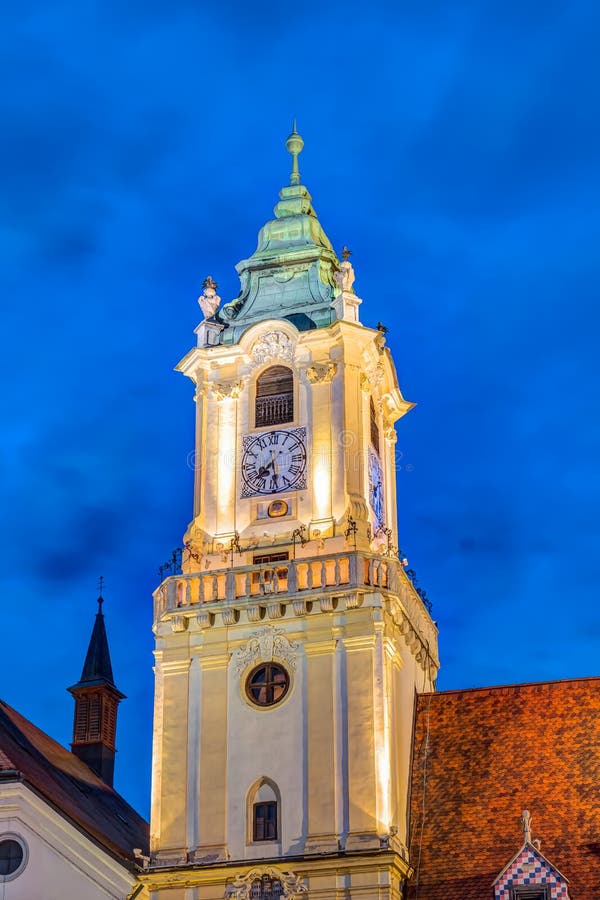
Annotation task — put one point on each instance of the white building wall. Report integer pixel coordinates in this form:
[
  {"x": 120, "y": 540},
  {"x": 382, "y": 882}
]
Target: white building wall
[
  {"x": 63, "y": 864},
  {"x": 267, "y": 743}
]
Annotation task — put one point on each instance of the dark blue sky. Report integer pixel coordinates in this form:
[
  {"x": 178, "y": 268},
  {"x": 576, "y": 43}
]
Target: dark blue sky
[{"x": 454, "y": 147}]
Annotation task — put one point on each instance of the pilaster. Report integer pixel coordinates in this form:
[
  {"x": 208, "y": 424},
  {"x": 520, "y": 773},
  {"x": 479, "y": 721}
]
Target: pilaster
[
  {"x": 362, "y": 777},
  {"x": 173, "y": 780},
  {"x": 212, "y": 793},
  {"x": 321, "y": 782}
]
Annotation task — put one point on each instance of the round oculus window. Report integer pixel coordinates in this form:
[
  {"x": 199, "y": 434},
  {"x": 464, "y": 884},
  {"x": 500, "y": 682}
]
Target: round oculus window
[
  {"x": 267, "y": 684},
  {"x": 13, "y": 857}
]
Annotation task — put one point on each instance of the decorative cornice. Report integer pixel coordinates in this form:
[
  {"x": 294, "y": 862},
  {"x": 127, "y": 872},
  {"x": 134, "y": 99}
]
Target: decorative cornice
[
  {"x": 322, "y": 374},
  {"x": 264, "y": 645}
]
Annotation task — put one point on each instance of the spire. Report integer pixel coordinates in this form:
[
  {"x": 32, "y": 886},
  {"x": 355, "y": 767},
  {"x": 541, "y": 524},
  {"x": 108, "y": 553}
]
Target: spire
[
  {"x": 96, "y": 701},
  {"x": 291, "y": 274},
  {"x": 294, "y": 145},
  {"x": 97, "y": 668}
]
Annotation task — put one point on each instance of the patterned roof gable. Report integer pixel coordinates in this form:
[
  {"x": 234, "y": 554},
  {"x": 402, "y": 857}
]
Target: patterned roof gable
[{"x": 530, "y": 868}]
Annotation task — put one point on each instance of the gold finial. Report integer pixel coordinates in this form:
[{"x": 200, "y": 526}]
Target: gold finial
[{"x": 294, "y": 145}]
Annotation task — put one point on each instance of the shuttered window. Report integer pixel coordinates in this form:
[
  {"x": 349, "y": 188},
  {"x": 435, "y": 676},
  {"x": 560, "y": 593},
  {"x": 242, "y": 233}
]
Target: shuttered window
[
  {"x": 265, "y": 821},
  {"x": 275, "y": 397}
]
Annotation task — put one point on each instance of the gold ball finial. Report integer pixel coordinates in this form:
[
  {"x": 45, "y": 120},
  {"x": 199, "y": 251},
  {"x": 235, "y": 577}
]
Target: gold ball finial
[{"x": 294, "y": 145}]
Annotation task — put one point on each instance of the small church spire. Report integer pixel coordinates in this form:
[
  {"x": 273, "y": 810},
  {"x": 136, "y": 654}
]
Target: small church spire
[
  {"x": 96, "y": 700},
  {"x": 294, "y": 145}
]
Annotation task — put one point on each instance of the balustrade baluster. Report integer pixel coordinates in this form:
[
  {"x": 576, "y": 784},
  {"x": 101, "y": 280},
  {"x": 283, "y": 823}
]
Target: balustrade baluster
[
  {"x": 353, "y": 569},
  {"x": 171, "y": 593},
  {"x": 337, "y": 577},
  {"x": 230, "y": 591},
  {"x": 375, "y": 572},
  {"x": 292, "y": 577}
]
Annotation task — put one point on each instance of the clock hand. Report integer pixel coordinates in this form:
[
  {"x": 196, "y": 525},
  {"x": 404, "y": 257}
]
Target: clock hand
[{"x": 264, "y": 470}]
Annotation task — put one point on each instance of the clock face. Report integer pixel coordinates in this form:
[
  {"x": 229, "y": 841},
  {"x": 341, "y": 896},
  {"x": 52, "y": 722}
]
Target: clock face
[
  {"x": 376, "y": 488},
  {"x": 274, "y": 461}
]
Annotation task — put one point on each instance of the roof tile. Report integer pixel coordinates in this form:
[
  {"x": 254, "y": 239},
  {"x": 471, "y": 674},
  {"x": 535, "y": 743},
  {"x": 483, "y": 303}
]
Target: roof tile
[{"x": 480, "y": 758}]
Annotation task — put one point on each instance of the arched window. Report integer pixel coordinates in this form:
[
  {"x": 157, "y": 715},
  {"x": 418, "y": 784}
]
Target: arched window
[
  {"x": 275, "y": 397},
  {"x": 374, "y": 426},
  {"x": 263, "y": 811}
]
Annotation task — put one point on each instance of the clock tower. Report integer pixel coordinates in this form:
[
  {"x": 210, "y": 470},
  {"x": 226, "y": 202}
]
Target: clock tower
[{"x": 290, "y": 644}]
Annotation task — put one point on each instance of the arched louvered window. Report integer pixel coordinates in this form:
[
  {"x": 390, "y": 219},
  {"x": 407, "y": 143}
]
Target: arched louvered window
[
  {"x": 263, "y": 810},
  {"x": 275, "y": 397},
  {"x": 374, "y": 426}
]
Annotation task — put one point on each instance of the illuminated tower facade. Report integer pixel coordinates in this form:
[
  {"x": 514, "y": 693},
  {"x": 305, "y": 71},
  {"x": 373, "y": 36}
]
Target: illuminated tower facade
[{"x": 291, "y": 644}]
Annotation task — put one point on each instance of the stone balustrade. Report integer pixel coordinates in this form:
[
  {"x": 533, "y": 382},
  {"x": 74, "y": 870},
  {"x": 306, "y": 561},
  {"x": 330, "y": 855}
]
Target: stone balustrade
[{"x": 267, "y": 590}]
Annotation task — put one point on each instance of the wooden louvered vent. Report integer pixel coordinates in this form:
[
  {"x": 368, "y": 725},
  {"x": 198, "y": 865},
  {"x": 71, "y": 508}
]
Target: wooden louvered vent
[{"x": 95, "y": 719}]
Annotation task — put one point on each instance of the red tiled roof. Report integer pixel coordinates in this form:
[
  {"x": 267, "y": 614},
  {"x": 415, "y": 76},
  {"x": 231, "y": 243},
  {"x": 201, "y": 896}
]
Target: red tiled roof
[
  {"x": 6, "y": 764},
  {"x": 70, "y": 786},
  {"x": 480, "y": 758}
]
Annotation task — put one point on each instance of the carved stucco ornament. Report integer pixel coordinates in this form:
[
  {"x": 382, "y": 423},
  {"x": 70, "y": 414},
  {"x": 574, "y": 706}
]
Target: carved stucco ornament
[
  {"x": 226, "y": 390},
  {"x": 371, "y": 377},
  {"x": 241, "y": 887},
  {"x": 264, "y": 645},
  {"x": 389, "y": 432},
  {"x": 273, "y": 345},
  {"x": 321, "y": 374}
]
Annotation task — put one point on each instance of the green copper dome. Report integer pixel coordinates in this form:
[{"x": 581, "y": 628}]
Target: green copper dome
[{"x": 291, "y": 272}]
